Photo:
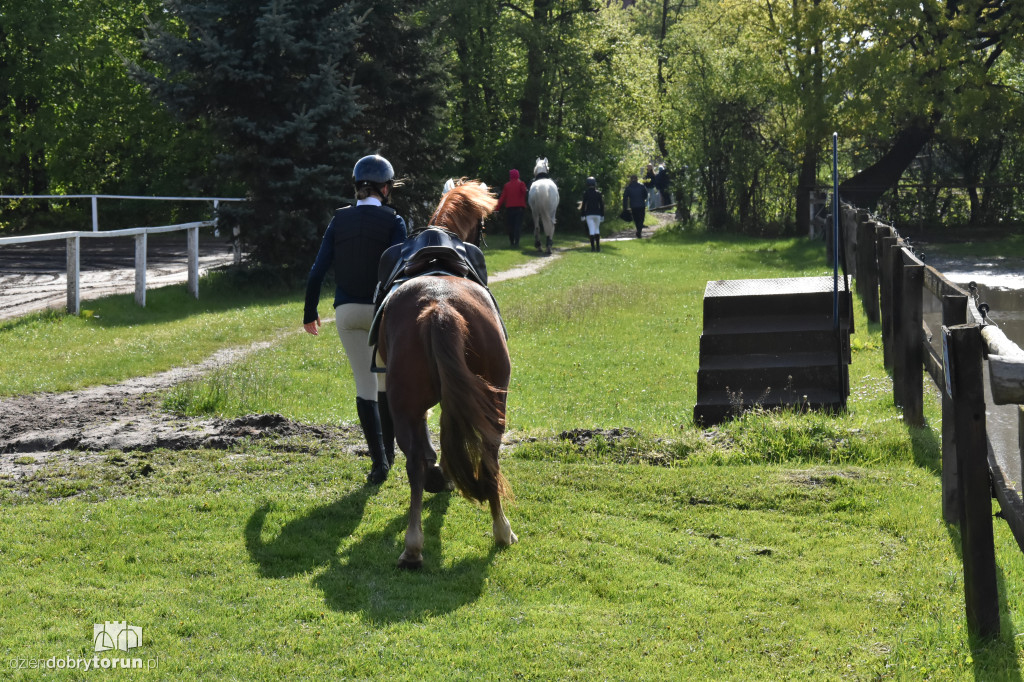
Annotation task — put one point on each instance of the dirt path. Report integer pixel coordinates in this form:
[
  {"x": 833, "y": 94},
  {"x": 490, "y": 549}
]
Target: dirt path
[{"x": 75, "y": 427}]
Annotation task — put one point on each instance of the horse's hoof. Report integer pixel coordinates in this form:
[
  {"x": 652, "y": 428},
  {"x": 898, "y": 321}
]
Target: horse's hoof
[
  {"x": 410, "y": 564},
  {"x": 435, "y": 481},
  {"x": 377, "y": 475}
]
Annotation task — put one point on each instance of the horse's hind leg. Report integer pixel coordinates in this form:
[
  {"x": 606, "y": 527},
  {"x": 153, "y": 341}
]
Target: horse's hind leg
[
  {"x": 536, "y": 231},
  {"x": 434, "y": 480},
  {"x": 502, "y": 529},
  {"x": 549, "y": 231},
  {"x": 503, "y": 534},
  {"x": 413, "y": 437}
]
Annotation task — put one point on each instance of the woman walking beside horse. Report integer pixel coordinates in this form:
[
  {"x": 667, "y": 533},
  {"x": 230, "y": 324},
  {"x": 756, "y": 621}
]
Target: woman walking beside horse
[{"x": 353, "y": 244}]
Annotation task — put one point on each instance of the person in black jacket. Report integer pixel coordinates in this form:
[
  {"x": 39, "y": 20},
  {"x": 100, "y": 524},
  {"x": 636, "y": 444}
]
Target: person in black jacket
[
  {"x": 661, "y": 182},
  {"x": 353, "y": 244},
  {"x": 634, "y": 198},
  {"x": 592, "y": 211}
]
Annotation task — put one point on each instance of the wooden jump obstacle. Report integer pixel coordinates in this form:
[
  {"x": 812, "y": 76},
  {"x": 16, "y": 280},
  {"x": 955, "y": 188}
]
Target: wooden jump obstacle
[{"x": 772, "y": 343}]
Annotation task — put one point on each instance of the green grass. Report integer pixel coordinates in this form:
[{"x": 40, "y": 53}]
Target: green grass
[
  {"x": 263, "y": 564},
  {"x": 114, "y": 339},
  {"x": 776, "y": 546}
]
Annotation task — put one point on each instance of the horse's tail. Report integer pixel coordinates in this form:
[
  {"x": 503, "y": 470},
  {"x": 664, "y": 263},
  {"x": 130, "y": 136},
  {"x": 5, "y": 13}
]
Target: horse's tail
[{"x": 472, "y": 416}]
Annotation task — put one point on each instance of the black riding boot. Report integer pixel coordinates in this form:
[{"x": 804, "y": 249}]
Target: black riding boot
[
  {"x": 387, "y": 427},
  {"x": 592, "y": 248},
  {"x": 597, "y": 242},
  {"x": 369, "y": 420}
]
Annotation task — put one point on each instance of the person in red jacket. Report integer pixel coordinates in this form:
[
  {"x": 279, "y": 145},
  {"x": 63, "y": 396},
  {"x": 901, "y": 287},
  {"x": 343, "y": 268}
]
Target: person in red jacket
[{"x": 513, "y": 198}]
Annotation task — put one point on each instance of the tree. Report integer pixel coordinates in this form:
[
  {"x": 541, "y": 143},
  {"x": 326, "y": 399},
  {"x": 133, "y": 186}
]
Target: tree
[
  {"x": 946, "y": 52},
  {"x": 73, "y": 121},
  {"x": 728, "y": 122},
  {"x": 270, "y": 80}
]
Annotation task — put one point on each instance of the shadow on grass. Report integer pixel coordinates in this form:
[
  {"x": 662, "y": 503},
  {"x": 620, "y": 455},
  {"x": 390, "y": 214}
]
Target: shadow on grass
[
  {"x": 363, "y": 577},
  {"x": 999, "y": 653}
]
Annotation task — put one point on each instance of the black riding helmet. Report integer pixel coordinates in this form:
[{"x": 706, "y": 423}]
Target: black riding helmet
[
  {"x": 591, "y": 181},
  {"x": 373, "y": 171}
]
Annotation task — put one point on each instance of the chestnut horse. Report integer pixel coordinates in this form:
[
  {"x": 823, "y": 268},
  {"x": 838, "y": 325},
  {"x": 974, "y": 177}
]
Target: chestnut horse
[{"x": 442, "y": 342}]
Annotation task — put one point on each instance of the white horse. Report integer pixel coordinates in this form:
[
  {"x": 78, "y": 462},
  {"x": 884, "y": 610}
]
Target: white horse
[{"x": 543, "y": 200}]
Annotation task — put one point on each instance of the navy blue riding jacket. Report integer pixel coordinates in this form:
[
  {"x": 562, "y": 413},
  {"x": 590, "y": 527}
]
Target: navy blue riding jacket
[{"x": 353, "y": 244}]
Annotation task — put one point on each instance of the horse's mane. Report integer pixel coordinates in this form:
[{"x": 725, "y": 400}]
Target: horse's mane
[{"x": 469, "y": 200}]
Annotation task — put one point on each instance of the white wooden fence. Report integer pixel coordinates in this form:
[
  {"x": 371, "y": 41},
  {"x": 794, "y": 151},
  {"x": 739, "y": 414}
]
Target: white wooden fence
[{"x": 141, "y": 235}]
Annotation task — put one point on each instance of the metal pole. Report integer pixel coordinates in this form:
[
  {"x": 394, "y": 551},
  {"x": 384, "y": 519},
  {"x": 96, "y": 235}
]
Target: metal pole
[{"x": 95, "y": 215}]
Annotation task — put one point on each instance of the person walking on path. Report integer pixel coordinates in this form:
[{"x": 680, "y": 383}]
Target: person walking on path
[
  {"x": 513, "y": 198},
  {"x": 592, "y": 211},
  {"x": 661, "y": 182},
  {"x": 634, "y": 198},
  {"x": 652, "y": 192},
  {"x": 353, "y": 244}
]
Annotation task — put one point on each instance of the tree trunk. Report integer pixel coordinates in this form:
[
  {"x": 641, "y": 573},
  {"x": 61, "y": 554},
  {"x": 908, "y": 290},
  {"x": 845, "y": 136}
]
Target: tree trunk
[
  {"x": 865, "y": 188},
  {"x": 530, "y": 121},
  {"x": 805, "y": 185}
]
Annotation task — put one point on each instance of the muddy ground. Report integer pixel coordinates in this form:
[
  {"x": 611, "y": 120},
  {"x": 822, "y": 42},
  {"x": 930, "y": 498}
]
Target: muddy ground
[{"x": 75, "y": 427}]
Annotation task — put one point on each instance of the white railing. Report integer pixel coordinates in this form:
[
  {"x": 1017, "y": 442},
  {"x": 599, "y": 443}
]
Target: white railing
[
  {"x": 94, "y": 198},
  {"x": 141, "y": 235}
]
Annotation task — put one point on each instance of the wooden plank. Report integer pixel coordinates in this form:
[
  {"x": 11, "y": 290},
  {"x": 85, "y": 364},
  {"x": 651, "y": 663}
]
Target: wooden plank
[
  {"x": 1011, "y": 505},
  {"x": 897, "y": 344},
  {"x": 937, "y": 283},
  {"x": 912, "y": 349},
  {"x": 933, "y": 365},
  {"x": 866, "y": 268},
  {"x": 885, "y": 244},
  {"x": 1006, "y": 379},
  {"x": 954, "y": 312},
  {"x": 980, "y": 590}
]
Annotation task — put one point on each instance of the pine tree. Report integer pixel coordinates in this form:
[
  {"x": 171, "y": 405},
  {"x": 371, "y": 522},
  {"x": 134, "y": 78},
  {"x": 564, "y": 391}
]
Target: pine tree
[{"x": 272, "y": 81}]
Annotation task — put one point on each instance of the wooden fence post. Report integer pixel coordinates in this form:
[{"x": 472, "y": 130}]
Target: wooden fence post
[
  {"x": 193, "y": 261},
  {"x": 73, "y": 268},
  {"x": 897, "y": 359},
  {"x": 954, "y": 312},
  {"x": 140, "y": 268},
  {"x": 911, "y": 320},
  {"x": 963, "y": 357},
  {"x": 870, "y": 269},
  {"x": 884, "y": 244}
]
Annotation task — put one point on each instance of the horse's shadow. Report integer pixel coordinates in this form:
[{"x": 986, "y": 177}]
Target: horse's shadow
[{"x": 363, "y": 577}]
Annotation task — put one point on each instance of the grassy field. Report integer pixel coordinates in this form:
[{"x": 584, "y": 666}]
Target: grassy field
[{"x": 777, "y": 546}]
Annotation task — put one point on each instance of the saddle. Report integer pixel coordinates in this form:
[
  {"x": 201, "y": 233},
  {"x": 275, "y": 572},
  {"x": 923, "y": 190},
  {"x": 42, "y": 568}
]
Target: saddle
[
  {"x": 435, "y": 249},
  {"x": 431, "y": 251}
]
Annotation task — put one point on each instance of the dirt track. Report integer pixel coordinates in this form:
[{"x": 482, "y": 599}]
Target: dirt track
[{"x": 74, "y": 427}]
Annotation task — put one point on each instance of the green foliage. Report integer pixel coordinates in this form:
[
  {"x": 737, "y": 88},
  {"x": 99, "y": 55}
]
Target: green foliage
[{"x": 73, "y": 121}]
